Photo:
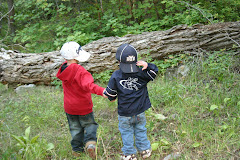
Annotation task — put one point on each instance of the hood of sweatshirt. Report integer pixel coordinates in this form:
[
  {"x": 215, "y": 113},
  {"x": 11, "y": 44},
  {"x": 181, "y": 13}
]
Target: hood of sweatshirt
[{"x": 68, "y": 74}]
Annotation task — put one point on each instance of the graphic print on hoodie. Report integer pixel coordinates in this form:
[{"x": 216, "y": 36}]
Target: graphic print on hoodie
[{"x": 131, "y": 90}]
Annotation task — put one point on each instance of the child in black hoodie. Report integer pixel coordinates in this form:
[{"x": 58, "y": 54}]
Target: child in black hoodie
[{"x": 129, "y": 85}]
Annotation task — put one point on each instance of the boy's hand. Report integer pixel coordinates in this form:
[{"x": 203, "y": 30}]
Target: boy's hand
[
  {"x": 104, "y": 94},
  {"x": 143, "y": 64}
]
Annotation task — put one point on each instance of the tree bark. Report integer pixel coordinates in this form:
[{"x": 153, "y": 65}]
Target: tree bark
[
  {"x": 130, "y": 5},
  {"x": 10, "y": 15},
  {"x": 156, "y": 8},
  {"x": 25, "y": 68}
]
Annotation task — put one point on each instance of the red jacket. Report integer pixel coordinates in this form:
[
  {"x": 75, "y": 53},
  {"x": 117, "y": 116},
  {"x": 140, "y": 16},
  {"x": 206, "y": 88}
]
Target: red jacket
[{"x": 78, "y": 84}]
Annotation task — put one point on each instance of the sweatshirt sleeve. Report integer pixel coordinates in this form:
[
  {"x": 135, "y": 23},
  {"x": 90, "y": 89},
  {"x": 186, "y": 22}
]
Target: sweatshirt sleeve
[
  {"x": 111, "y": 90},
  {"x": 87, "y": 84},
  {"x": 151, "y": 72}
]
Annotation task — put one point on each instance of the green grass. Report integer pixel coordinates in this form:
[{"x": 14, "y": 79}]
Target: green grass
[{"x": 202, "y": 113}]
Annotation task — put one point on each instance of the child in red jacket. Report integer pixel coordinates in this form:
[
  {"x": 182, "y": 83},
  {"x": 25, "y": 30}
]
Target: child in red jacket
[{"x": 78, "y": 85}]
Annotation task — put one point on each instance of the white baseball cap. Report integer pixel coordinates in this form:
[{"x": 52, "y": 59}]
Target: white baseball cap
[{"x": 72, "y": 50}]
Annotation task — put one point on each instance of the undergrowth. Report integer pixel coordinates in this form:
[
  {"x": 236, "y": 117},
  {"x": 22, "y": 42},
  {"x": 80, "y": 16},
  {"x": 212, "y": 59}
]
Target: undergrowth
[{"x": 196, "y": 116}]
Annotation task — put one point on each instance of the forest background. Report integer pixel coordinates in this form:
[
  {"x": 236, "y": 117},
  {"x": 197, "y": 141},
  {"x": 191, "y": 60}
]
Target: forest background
[{"x": 24, "y": 24}]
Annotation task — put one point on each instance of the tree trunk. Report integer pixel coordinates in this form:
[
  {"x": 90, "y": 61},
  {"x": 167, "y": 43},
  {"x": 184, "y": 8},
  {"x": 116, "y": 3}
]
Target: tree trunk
[
  {"x": 130, "y": 8},
  {"x": 10, "y": 15},
  {"x": 156, "y": 9},
  {"x": 25, "y": 68}
]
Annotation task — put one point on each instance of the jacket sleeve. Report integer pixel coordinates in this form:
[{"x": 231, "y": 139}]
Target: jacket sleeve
[
  {"x": 111, "y": 90},
  {"x": 87, "y": 83},
  {"x": 151, "y": 72}
]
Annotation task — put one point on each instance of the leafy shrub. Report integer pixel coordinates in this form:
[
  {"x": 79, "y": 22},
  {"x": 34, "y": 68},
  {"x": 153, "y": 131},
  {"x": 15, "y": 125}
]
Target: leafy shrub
[
  {"x": 103, "y": 77},
  {"x": 217, "y": 64},
  {"x": 56, "y": 82},
  {"x": 32, "y": 148},
  {"x": 51, "y": 23}
]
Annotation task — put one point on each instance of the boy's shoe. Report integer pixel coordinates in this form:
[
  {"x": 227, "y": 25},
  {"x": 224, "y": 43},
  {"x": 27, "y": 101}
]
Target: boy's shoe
[
  {"x": 129, "y": 157},
  {"x": 91, "y": 151},
  {"x": 146, "y": 153}
]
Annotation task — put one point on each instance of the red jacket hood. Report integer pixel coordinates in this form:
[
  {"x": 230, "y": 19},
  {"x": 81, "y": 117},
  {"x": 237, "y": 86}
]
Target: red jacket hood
[{"x": 69, "y": 73}]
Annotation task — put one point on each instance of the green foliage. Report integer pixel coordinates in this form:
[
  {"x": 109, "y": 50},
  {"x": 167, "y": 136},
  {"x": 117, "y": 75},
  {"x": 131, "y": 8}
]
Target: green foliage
[
  {"x": 112, "y": 26},
  {"x": 56, "y": 82},
  {"x": 52, "y": 23},
  {"x": 32, "y": 147},
  {"x": 103, "y": 77},
  {"x": 35, "y": 25},
  {"x": 170, "y": 61},
  {"x": 217, "y": 64}
]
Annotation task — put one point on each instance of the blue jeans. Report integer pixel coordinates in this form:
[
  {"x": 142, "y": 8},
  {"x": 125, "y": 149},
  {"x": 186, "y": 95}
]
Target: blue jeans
[
  {"x": 130, "y": 127},
  {"x": 83, "y": 129}
]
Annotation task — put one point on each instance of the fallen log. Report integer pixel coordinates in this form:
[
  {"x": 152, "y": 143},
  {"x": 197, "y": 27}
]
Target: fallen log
[{"x": 41, "y": 68}]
